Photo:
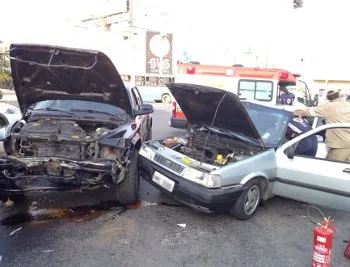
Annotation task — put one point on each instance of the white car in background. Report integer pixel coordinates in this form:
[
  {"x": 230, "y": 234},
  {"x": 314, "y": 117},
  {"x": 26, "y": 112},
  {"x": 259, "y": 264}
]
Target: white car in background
[{"x": 9, "y": 114}]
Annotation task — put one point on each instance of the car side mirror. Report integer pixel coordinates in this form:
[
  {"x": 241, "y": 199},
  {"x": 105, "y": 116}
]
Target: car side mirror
[
  {"x": 290, "y": 152},
  {"x": 144, "y": 109}
]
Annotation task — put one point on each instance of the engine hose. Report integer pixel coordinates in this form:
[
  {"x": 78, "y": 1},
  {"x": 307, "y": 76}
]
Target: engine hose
[
  {"x": 309, "y": 217},
  {"x": 326, "y": 223}
]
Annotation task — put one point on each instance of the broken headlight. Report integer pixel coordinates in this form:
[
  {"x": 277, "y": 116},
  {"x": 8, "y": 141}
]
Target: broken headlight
[
  {"x": 146, "y": 152},
  {"x": 205, "y": 179}
]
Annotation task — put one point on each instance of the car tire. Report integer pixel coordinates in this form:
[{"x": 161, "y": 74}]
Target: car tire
[
  {"x": 166, "y": 98},
  {"x": 252, "y": 195},
  {"x": 128, "y": 189}
]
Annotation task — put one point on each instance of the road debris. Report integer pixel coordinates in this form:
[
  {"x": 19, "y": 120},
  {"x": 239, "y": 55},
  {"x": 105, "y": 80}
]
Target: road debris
[
  {"x": 120, "y": 212},
  {"x": 145, "y": 204},
  {"x": 47, "y": 251},
  {"x": 183, "y": 225},
  {"x": 0, "y": 258},
  {"x": 15, "y": 231}
]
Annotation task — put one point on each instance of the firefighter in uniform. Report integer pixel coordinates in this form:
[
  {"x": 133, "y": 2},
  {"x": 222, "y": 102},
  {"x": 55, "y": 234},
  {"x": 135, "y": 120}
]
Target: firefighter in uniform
[
  {"x": 307, "y": 146},
  {"x": 336, "y": 110}
]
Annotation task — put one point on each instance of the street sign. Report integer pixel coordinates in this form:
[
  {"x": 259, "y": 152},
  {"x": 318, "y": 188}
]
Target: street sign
[{"x": 158, "y": 53}]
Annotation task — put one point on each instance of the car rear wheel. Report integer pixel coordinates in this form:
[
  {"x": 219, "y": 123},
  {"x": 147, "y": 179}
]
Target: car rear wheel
[
  {"x": 247, "y": 204},
  {"x": 128, "y": 189},
  {"x": 166, "y": 98}
]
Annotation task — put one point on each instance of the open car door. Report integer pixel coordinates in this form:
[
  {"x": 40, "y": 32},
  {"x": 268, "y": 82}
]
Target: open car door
[{"x": 310, "y": 179}]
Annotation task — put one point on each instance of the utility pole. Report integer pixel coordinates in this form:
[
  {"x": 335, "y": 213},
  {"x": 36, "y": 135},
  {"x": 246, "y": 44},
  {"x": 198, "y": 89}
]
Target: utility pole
[
  {"x": 267, "y": 55},
  {"x": 130, "y": 7},
  {"x": 130, "y": 30}
]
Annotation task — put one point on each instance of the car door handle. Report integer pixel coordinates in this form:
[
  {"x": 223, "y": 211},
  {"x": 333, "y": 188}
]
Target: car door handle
[{"x": 346, "y": 170}]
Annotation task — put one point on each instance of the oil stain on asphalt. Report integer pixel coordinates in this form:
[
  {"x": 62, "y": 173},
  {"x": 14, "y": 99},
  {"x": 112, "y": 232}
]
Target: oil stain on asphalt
[{"x": 78, "y": 214}]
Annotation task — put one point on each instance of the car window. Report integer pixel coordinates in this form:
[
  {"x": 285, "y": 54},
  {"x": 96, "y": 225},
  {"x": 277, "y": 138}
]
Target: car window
[
  {"x": 136, "y": 103},
  {"x": 300, "y": 92},
  {"x": 259, "y": 90},
  {"x": 322, "y": 149},
  {"x": 271, "y": 123},
  {"x": 138, "y": 96}
]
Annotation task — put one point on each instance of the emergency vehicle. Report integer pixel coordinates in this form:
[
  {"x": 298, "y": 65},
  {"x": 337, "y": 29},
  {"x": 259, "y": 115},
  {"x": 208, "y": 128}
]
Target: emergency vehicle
[{"x": 261, "y": 84}]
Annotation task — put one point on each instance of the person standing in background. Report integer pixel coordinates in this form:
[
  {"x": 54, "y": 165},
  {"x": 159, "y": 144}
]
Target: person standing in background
[{"x": 337, "y": 110}]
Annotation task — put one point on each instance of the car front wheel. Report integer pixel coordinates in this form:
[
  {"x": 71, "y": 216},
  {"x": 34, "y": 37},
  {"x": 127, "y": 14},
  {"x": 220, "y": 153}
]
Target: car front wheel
[
  {"x": 247, "y": 204},
  {"x": 166, "y": 98},
  {"x": 128, "y": 189}
]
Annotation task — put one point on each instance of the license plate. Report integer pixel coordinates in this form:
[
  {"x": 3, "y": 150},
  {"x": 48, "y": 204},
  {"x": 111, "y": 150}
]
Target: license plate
[{"x": 163, "y": 181}]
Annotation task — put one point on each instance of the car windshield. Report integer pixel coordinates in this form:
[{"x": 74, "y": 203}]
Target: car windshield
[
  {"x": 271, "y": 123},
  {"x": 73, "y": 106}
]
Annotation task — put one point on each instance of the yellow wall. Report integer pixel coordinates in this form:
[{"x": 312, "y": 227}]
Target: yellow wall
[{"x": 343, "y": 86}]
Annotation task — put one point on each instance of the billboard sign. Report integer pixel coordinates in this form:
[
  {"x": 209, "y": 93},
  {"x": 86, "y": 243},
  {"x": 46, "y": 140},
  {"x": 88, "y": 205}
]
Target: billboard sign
[{"x": 159, "y": 53}]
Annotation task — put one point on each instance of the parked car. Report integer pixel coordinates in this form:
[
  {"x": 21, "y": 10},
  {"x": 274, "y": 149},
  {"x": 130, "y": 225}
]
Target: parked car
[
  {"x": 81, "y": 128},
  {"x": 234, "y": 155},
  {"x": 9, "y": 114},
  {"x": 177, "y": 117}
]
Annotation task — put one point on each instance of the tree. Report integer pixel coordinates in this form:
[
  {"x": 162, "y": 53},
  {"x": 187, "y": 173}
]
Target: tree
[{"x": 5, "y": 71}]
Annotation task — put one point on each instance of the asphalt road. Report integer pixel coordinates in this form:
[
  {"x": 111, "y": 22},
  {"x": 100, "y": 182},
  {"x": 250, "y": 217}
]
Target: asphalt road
[{"x": 279, "y": 235}]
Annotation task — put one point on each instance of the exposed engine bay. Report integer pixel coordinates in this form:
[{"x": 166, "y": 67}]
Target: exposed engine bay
[
  {"x": 58, "y": 152},
  {"x": 58, "y": 138},
  {"x": 210, "y": 148}
]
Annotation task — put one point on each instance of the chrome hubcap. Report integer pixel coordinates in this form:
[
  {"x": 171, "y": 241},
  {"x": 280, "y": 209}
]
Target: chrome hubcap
[
  {"x": 166, "y": 98},
  {"x": 252, "y": 199}
]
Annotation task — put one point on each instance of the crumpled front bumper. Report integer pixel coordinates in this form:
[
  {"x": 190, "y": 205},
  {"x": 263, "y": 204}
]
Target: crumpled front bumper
[
  {"x": 192, "y": 194},
  {"x": 51, "y": 173}
]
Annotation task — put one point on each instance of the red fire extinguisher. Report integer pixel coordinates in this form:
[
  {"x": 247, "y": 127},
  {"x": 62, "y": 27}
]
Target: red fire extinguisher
[
  {"x": 323, "y": 238},
  {"x": 347, "y": 250}
]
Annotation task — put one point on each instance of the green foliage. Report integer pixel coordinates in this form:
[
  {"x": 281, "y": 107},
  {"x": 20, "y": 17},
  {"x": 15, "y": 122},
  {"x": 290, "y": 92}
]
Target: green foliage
[{"x": 5, "y": 71}]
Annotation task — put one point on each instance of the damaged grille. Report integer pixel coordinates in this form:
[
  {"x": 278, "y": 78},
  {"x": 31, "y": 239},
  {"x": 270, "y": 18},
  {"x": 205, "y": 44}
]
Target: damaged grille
[{"x": 168, "y": 163}]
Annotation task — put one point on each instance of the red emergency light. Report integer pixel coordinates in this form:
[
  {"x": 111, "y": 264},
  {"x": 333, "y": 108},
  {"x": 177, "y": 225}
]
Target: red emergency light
[
  {"x": 283, "y": 75},
  {"x": 191, "y": 70}
]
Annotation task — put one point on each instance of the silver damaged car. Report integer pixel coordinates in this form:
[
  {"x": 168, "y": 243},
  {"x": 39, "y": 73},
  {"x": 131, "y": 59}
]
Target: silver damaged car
[{"x": 234, "y": 155}]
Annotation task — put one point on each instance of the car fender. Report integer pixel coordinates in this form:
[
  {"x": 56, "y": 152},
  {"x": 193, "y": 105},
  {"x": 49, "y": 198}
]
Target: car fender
[
  {"x": 5, "y": 130},
  {"x": 257, "y": 175},
  {"x": 117, "y": 137},
  {"x": 135, "y": 138}
]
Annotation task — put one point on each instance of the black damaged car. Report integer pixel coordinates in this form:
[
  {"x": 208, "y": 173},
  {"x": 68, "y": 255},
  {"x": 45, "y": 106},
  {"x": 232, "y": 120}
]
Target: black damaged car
[{"x": 81, "y": 127}]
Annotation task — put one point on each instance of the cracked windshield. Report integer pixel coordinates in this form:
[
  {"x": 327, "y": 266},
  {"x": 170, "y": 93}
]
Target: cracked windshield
[{"x": 174, "y": 133}]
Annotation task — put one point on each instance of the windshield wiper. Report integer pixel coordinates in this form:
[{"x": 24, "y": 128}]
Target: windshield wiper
[
  {"x": 234, "y": 135},
  {"x": 93, "y": 111},
  {"x": 241, "y": 137},
  {"x": 54, "y": 109}
]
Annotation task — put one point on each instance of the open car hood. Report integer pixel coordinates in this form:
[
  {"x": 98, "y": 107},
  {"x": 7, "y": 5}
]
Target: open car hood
[
  {"x": 208, "y": 106},
  {"x": 56, "y": 73}
]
